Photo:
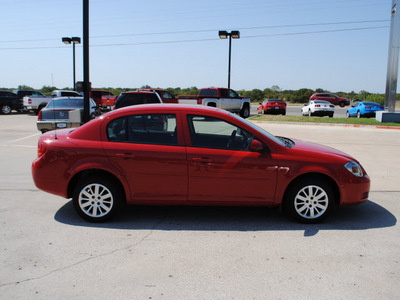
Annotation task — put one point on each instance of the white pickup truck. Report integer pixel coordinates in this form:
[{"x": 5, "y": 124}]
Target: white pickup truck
[
  {"x": 222, "y": 98},
  {"x": 37, "y": 103}
]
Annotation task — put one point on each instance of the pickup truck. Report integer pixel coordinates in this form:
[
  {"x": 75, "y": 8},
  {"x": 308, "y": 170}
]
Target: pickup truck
[
  {"x": 104, "y": 99},
  {"x": 222, "y": 98},
  {"x": 36, "y": 102}
]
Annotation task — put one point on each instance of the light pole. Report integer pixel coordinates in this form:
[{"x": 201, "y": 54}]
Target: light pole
[
  {"x": 73, "y": 41},
  {"x": 224, "y": 35}
]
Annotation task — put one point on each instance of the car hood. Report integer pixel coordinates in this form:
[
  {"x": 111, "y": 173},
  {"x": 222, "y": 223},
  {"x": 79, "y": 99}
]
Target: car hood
[{"x": 308, "y": 149}]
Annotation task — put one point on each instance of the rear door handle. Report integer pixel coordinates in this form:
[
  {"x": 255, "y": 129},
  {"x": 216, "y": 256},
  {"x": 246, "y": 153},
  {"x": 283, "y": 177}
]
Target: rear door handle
[
  {"x": 202, "y": 159},
  {"x": 126, "y": 155}
]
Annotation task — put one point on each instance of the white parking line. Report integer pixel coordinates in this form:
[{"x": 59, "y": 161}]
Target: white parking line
[{"x": 24, "y": 138}]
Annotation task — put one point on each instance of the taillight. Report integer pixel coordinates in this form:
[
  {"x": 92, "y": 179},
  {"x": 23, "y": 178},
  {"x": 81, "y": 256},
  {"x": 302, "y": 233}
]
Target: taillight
[
  {"x": 199, "y": 101},
  {"x": 368, "y": 107},
  {"x": 39, "y": 117},
  {"x": 317, "y": 105},
  {"x": 29, "y": 101},
  {"x": 331, "y": 106},
  {"x": 41, "y": 148}
]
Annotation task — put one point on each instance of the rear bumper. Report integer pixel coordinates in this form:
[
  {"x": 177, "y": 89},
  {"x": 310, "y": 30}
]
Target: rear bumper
[{"x": 52, "y": 125}]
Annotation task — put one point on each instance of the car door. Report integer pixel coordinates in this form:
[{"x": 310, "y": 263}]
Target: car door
[
  {"x": 220, "y": 166},
  {"x": 225, "y": 102},
  {"x": 148, "y": 151}
]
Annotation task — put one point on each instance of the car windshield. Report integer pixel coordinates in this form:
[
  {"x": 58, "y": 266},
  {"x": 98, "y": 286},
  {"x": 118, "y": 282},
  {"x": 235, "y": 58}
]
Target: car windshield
[
  {"x": 66, "y": 103},
  {"x": 371, "y": 103},
  {"x": 260, "y": 130},
  {"x": 274, "y": 100}
]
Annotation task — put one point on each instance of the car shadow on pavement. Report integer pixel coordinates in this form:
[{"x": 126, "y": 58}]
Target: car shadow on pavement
[{"x": 361, "y": 217}]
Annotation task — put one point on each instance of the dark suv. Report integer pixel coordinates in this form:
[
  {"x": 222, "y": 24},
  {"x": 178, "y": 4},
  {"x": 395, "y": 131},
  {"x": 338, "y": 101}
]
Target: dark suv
[
  {"x": 135, "y": 98},
  {"x": 8, "y": 101},
  {"x": 335, "y": 100}
]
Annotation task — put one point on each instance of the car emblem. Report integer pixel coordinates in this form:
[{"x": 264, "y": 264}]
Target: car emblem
[{"x": 61, "y": 114}]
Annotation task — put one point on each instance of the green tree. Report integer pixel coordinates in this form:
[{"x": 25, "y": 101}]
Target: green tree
[{"x": 25, "y": 87}]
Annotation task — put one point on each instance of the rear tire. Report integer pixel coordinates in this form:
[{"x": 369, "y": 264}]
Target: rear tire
[
  {"x": 310, "y": 200},
  {"x": 96, "y": 198},
  {"x": 358, "y": 114},
  {"x": 309, "y": 113},
  {"x": 342, "y": 104}
]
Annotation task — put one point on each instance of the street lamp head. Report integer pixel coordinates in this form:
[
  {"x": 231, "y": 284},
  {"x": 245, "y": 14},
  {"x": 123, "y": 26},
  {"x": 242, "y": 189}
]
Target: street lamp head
[
  {"x": 76, "y": 40},
  {"x": 66, "y": 40},
  {"x": 223, "y": 34},
  {"x": 235, "y": 34}
]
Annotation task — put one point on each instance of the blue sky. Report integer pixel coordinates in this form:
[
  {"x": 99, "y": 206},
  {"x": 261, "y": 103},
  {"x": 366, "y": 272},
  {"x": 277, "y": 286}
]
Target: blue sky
[{"x": 338, "y": 45}]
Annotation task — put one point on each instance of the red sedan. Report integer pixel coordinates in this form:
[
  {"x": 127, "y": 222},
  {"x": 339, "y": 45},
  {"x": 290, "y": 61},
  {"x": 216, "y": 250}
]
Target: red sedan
[
  {"x": 272, "y": 106},
  {"x": 192, "y": 155}
]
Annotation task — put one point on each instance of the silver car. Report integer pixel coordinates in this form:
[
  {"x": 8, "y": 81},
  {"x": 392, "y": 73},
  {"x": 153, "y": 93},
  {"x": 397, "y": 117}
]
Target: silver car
[{"x": 64, "y": 112}]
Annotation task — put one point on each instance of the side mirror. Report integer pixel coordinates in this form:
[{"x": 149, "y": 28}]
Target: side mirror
[{"x": 256, "y": 146}]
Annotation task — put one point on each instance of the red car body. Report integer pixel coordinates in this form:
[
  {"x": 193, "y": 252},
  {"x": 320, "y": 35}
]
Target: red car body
[
  {"x": 272, "y": 106},
  {"x": 335, "y": 100},
  {"x": 187, "y": 174}
]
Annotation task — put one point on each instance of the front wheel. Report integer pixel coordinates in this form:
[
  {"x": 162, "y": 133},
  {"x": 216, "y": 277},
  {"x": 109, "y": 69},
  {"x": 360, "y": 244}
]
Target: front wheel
[
  {"x": 245, "y": 112},
  {"x": 96, "y": 199},
  {"x": 342, "y": 104},
  {"x": 310, "y": 200},
  {"x": 6, "y": 109},
  {"x": 358, "y": 114}
]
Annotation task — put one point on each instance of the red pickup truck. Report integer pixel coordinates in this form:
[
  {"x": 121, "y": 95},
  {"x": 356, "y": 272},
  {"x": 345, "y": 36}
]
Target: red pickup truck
[
  {"x": 222, "y": 98},
  {"x": 103, "y": 98}
]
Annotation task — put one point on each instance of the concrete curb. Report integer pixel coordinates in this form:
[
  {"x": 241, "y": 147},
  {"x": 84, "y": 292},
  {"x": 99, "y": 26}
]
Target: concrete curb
[{"x": 333, "y": 125}]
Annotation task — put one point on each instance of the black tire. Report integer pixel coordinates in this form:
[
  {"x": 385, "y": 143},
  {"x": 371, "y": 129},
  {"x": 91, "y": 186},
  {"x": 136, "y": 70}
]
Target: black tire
[
  {"x": 6, "y": 109},
  {"x": 263, "y": 111},
  {"x": 284, "y": 113},
  {"x": 310, "y": 200},
  {"x": 96, "y": 199},
  {"x": 309, "y": 113},
  {"x": 245, "y": 112},
  {"x": 331, "y": 115},
  {"x": 358, "y": 114},
  {"x": 342, "y": 104}
]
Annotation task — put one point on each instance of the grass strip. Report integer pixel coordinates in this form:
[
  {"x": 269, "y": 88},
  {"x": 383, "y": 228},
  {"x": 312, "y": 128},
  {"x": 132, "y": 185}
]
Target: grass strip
[{"x": 306, "y": 119}]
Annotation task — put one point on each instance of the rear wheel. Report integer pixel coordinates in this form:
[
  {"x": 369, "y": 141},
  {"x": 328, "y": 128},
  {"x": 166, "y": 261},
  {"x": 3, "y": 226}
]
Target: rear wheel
[
  {"x": 342, "y": 104},
  {"x": 309, "y": 113},
  {"x": 6, "y": 109},
  {"x": 284, "y": 113},
  {"x": 358, "y": 114},
  {"x": 331, "y": 115},
  {"x": 96, "y": 199},
  {"x": 310, "y": 200},
  {"x": 347, "y": 114}
]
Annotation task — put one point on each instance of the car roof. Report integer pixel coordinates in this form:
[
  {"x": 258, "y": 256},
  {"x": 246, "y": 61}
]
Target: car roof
[{"x": 165, "y": 107}]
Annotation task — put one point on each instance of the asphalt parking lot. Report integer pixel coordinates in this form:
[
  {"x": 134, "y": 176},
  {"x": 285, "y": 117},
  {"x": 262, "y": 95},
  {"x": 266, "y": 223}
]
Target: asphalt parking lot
[{"x": 48, "y": 252}]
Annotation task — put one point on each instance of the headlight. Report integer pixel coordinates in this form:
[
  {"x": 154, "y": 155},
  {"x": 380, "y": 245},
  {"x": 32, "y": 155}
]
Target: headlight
[{"x": 354, "y": 168}]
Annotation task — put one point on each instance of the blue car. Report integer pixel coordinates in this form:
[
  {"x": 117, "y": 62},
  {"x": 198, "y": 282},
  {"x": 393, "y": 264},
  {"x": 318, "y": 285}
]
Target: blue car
[{"x": 363, "y": 109}]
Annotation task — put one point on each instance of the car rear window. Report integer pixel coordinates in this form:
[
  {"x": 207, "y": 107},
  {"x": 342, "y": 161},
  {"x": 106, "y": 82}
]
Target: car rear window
[
  {"x": 209, "y": 92},
  {"x": 126, "y": 99}
]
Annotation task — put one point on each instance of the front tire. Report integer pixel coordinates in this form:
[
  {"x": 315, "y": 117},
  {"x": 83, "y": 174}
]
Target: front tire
[
  {"x": 96, "y": 199},
  {"x": 6, "y": 109},
  {"x": 310, "y": 200},
  {"x": 245, "y": 112},
  {"x": 342, "y": 104},
  {"x": 358, "y": 114}
]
